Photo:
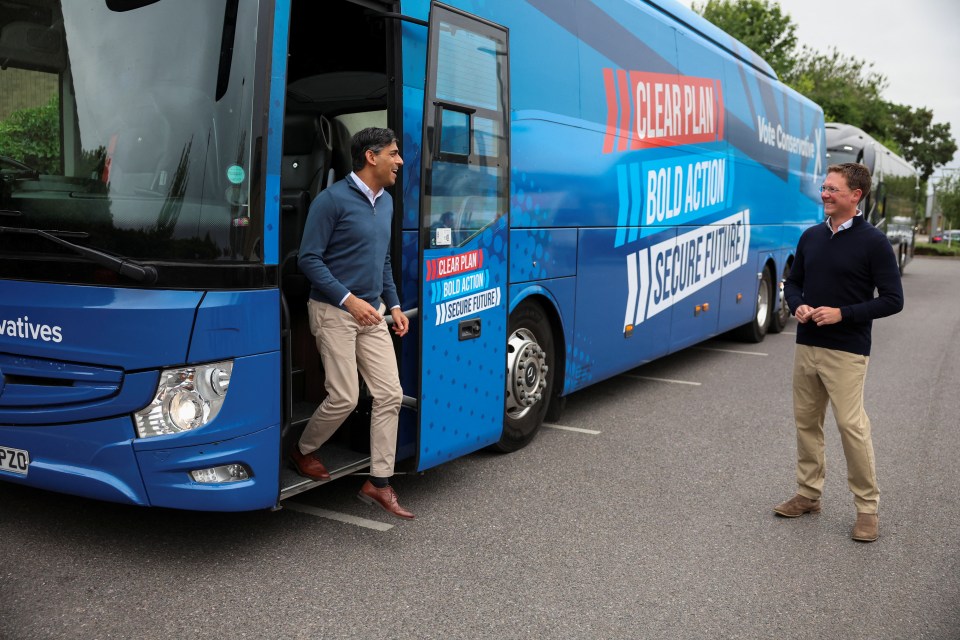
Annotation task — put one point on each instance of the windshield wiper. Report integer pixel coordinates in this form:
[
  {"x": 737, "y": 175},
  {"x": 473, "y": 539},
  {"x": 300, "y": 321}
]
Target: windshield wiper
[{"x": 124, "y": 266}]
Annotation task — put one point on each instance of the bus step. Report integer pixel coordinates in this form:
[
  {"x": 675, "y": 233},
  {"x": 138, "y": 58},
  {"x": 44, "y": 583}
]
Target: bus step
[{"x": 339, "y": 461}]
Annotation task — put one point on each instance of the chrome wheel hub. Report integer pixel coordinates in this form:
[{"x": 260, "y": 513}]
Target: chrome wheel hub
[
  {"x": 763, "y": 303},
  {"x": 526, "y": 373}
]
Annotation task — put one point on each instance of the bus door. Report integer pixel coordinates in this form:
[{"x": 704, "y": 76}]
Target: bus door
[{"x": 464, "y": 222}]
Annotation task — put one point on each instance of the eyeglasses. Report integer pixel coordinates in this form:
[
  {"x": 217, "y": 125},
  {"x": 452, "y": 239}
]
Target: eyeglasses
[{"x": 830, "y": 190}]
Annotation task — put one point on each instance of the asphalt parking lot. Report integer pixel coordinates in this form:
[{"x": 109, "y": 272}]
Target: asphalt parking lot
[{"x": 646, "y": 512}]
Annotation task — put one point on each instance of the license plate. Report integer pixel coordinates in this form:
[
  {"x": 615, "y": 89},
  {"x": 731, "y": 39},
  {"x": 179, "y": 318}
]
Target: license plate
[{"x": 14, "y": 460}]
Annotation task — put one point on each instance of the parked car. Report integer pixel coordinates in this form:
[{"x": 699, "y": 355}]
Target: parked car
[{"x": 952, "y": 236}]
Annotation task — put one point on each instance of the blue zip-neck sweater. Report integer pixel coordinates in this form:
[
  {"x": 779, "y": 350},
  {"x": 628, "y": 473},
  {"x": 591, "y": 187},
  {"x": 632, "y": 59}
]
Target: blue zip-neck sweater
[
  {"x": 346, "y": 246},
  {"x": 843, "y": 270}
]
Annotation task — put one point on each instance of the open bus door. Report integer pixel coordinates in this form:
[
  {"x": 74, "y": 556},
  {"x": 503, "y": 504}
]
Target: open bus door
[{"x": 463, "y": 237}]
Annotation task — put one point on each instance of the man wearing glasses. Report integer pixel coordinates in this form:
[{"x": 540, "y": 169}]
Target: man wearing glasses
[{"x": 830, "y": 290}]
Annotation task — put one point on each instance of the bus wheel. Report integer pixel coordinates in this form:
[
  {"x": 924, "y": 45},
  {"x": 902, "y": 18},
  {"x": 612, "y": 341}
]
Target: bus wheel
[
  {"x": 756, "y": 329},
  {"x": 529, "y": 376},
  {"x": 782, "y": 314}
]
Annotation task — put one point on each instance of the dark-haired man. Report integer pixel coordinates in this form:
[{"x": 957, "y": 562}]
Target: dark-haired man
[
  {"x": 838, "y": 267},
  {"x": 345, "y": 253}
]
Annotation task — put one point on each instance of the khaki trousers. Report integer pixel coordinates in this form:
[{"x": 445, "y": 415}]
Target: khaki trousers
[
  {"x": 345, "y": 346},
  {"x": 820, "y": 375}
]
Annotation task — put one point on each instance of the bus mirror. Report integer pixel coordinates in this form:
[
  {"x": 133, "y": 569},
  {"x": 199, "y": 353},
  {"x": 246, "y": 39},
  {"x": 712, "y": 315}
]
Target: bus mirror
[{"x": 32, "y": 45}]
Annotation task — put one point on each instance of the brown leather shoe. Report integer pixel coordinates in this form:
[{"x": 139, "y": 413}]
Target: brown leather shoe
[
  {"x": 867, "y": 528},
  {"x": 797, "y": 506},
  {"x": 308, "y": 466},
  {"x": 385, "y": 497}
]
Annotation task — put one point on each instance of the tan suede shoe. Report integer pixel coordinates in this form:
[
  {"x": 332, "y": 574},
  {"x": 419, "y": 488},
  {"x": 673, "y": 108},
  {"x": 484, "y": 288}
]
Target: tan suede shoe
[
  {"x": 797, "y": 506},
  {"x": 867, "y": 528}
]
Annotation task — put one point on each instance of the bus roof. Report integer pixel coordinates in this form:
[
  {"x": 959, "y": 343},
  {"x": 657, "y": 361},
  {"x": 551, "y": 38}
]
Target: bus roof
[
  {"x": 711, "y": 32},
  {"x": 841, "y": 135}
]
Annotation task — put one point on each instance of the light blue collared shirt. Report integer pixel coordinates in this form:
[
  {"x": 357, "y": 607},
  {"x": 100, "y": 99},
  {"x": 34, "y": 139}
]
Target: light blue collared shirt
[{"x": 367, "y": 191}]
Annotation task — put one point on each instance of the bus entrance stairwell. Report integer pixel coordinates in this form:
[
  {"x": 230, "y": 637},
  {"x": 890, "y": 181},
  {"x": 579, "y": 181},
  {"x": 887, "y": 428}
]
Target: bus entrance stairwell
[
  {"x": 333, "y": 90},
  {"x": 306, "y": 154}
]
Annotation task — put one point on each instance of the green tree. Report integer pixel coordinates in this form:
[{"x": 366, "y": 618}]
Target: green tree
[
  {"x": 925, "y": 144},
  {"x": 948, "y": 197},
  {"x": 32, "y": 136},
  {"x": 759, "y": 24},
  {"x": 847, "y": 88}
]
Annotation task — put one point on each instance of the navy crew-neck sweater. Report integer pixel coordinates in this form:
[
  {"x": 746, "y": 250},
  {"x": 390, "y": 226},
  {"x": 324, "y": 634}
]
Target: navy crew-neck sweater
[
  {"x": 844, "y": 270},
  {"x": 346, "y": 246}
]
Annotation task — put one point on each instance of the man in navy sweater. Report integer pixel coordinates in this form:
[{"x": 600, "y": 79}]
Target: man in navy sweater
[
  {"x": 830, "y": 290},
  {"x": 345, "y": 253}
]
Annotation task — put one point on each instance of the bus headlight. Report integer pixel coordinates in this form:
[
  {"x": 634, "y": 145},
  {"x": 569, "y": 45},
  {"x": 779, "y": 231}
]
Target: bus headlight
[{"x": 187, "y": 398}]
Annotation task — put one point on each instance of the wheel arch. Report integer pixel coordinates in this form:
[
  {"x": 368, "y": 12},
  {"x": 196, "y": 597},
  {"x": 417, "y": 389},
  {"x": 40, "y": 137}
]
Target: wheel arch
[
  {"x": 548, "y": 302},
  {"x": 782, "y": 271},
  {"x": 787, "y": 264},
  {"x": 777, "y": 275}
]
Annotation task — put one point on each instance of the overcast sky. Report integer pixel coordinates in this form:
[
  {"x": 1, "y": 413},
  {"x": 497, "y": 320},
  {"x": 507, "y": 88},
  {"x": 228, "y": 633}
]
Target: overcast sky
[{"x": 914, "y": 43}]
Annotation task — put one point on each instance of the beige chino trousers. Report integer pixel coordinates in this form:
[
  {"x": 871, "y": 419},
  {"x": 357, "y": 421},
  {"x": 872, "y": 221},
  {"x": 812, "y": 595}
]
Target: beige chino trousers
[
  {"x": 821, "y": 375},
  {"x": 346, "y": 346}
]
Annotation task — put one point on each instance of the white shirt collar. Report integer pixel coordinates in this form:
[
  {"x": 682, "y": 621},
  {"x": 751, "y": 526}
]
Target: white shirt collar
[
  {"x": 845, "y": 225},
  {"x": 367, "y": 191}
]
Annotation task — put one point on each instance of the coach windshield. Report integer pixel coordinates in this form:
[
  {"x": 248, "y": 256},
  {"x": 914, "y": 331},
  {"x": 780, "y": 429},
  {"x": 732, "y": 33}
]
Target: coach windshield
[{"x": 125, "y": 128}]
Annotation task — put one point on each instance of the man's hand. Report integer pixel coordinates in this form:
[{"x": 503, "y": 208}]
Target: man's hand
[
  {"x": 400, "y": 323},
  {"x": 803, "y": 313},
  {"x": 361, "y": 311},
  {"x": 820, "y": 315},
  {"x": 826, "y": 315}
]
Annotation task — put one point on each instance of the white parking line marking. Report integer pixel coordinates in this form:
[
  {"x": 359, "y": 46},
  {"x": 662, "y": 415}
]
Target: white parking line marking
[
  {"x": 339, "y": 517},
  {"x": 589, "y": 432},
  {"x": 695, "y": 384},
  {"x": 743, "y": 353},
  {"x": 788, "y": 333}
]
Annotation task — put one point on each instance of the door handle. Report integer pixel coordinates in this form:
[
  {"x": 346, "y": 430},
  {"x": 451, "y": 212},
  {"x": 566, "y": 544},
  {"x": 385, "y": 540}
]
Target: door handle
[{"x": 469, "y": 329}]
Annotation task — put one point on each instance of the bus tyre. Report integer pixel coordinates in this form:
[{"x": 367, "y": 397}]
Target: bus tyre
[
  {"x": 530, "y": 375},
  {"x": 782, "y": 314},
  {"x": 756, "y": 329}
]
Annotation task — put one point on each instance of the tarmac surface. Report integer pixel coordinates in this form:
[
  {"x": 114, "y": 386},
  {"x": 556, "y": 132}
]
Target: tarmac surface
[{"x": 654, "y": 520}]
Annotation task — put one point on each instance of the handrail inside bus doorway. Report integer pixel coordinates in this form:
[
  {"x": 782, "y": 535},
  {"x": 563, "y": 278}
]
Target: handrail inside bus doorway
[{"x": 407, "y": 401}]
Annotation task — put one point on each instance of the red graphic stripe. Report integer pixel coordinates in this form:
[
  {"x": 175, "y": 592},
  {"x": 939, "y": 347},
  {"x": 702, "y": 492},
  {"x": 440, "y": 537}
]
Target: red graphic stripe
[
  {"x": 612, "y": 109},
  {"x": 721, "y": 113},
  {"x": 623, "y": 85},
  {"x": 448, "y": 266}
]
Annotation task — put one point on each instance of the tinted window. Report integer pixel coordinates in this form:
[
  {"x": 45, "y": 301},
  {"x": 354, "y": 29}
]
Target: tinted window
[{"x": 131, "y": 128}]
